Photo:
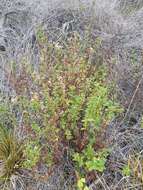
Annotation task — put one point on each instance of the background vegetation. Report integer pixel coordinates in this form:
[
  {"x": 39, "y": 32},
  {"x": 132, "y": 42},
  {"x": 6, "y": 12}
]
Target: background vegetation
[{"x": 71, "y": 97}]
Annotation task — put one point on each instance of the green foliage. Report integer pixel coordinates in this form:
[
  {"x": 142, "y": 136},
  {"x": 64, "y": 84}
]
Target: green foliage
[
  {"x": 11, "y": 154},
  {"x": 41, "y": 35},
  {"x": 100, "y": 109},
  {"x": 32, "y": 155},
  {"x": 81, "y": 184},
  {"x": 68, "y": 105},
  {"x": 36, "y": 128},
  {"x": 91, "y": 160},
  {"x": 126, "y": 170}
]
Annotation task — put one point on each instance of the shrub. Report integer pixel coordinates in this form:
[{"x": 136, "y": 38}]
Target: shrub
[{"x": 66, "y": 106}]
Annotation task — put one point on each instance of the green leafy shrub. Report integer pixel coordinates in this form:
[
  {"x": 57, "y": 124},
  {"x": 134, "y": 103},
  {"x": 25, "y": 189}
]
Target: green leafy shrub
[{"x": 66, "y": 106}]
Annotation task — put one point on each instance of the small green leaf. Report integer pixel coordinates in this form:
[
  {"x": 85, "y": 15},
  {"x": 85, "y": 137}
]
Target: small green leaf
[
  {"x": 86, "y": 188},
  {"x": 96, "y": 164},
  {"x": 126, "y": 170},
  {"x": 79, "y": 159},
  {"x": 35, "y": 127},
  {"x": 81, "y": 183}
]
